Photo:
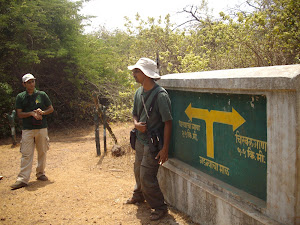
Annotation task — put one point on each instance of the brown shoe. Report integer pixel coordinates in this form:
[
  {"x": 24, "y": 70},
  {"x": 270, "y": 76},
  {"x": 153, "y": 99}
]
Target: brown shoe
[
  {"x": 158, "y": 214},
  {"x": 133, "y": 201},
  {"x": 43, "y": 178},
  {"x": 18, "y": 185}
]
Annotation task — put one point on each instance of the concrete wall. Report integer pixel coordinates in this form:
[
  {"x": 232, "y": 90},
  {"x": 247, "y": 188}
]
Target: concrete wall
[{"x": 210, "y": 201}]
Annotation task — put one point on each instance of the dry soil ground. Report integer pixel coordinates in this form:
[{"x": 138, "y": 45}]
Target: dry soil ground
[{"x": 83, "y": 188}]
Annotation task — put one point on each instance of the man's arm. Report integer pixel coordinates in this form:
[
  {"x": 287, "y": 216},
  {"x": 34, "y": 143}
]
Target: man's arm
[
  {"x": 162, "y": 156},
  {"x": 37, "y": 114},
  {"x": 22, "y": 114},
  {"x": 49, "y": 110}
]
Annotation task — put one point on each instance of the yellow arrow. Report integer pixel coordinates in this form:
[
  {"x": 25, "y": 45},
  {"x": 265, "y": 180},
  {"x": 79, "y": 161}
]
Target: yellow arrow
[
  {"x": 231, "y": 118},
  {"x": 196, "y": 113}
]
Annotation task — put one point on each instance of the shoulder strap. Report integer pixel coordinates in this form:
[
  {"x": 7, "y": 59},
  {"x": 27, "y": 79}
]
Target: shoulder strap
[
  {"x": 142, "y": 107},
  {"x": 154, "y": 100}
]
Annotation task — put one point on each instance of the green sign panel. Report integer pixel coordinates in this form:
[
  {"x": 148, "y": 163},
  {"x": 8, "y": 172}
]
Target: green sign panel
[{"x": 223, "y": 135}]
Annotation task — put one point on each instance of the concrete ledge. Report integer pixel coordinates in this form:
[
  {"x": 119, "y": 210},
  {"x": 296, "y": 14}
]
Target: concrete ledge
[
  {"x": 256, "y": 78},
  {"x": 208, "y": 200}
]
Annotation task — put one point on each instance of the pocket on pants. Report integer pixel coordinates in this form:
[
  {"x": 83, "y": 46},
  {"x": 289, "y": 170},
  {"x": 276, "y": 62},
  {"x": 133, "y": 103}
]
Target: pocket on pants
[
  {"x": 26, "y": 147},
  {"x": 149, "y": 159}
]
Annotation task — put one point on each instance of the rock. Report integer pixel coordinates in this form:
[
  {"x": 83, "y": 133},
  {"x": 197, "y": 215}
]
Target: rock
[{"x": 117, "y": 151}]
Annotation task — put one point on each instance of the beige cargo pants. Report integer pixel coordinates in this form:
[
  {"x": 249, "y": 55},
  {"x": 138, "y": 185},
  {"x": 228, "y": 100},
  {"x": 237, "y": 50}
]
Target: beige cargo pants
[{"x": 33, "y": 138}]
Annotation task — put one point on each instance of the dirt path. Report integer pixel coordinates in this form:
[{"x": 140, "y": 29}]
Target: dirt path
[{"x": 82, "y": 188}]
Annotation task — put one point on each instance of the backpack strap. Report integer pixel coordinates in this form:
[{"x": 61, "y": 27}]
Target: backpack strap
[
  {"x": 142, "y": 107},
  {"x": 154, "y": 100}
]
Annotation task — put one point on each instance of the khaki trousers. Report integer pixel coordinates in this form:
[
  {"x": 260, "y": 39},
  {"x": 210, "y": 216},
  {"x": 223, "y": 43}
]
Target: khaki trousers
[{"x": 33, "y": 138}]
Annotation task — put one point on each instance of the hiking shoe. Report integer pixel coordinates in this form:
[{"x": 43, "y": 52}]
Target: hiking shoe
[
  {"x": 133, "y": 201},
  {"x": 158, "y": 214},
  {"x": 43, "y": 178},
  {"x": 17, "y": 185}
]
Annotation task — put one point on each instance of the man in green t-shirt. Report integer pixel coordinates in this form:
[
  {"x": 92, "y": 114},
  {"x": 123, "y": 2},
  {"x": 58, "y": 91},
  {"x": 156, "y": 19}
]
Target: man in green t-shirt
[
  {"x": 32, "y": 107},
  {"x": 147, "y": 160}
]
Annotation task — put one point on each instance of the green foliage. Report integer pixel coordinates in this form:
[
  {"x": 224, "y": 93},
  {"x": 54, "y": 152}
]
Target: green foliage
[
  {"x": 6, "y": 105},
  {"x": 42, "y": 38},
  {"x": 115, "y": 87},
  {"x": 268, "y": 35},
  {"x": 152, "y": 37},
  {"x": 121, "y": 107}
]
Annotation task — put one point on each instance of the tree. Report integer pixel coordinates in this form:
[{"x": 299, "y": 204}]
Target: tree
[
  {"x": 267, "y": 35},
  {"x": 41, "y": 37}
]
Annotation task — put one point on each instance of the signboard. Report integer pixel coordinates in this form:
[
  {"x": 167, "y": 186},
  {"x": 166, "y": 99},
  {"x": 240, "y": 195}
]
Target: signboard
[{"x": 223, "y": 135}]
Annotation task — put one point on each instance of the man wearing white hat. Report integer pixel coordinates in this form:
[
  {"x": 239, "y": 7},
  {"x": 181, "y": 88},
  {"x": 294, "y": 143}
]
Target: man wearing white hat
[
  {"x": 159, "y": 122},
  {"x": 32, "y": 107}
]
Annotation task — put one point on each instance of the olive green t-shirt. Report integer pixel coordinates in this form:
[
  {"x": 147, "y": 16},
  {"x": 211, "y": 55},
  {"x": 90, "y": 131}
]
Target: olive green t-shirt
[
  {"x": 161, "y": 111},
  {"x": 28, "y": 103}
]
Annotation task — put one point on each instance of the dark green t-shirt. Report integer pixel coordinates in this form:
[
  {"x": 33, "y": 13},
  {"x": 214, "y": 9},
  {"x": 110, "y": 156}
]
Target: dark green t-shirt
[
  {"x": 161, "y": 110},
  {"x": 28, "y": 103}
]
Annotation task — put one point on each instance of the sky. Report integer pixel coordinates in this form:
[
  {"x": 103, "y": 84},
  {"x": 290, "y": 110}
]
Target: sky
[{"x": 111, "y": 13}]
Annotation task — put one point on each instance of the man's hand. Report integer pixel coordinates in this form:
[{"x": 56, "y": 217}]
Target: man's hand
[
  {"x": 38, "y": 114},
  {"x": 141, "y": 126},
  {"x": 162, "y": 156},
  {"x": 39, "y": 111}
]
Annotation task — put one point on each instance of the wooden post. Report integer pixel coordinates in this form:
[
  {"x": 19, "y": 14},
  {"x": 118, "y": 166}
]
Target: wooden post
[
  {"x": 97, "y": 137},
  {"x": 104, "y": 128},
  {"x": 100, "y": 113}
]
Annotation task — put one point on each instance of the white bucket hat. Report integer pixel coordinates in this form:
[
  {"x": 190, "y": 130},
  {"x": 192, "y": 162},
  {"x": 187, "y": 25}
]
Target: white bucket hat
[
  {"x": 27, "y": 77},
  {"x": 148, "y": 67}
]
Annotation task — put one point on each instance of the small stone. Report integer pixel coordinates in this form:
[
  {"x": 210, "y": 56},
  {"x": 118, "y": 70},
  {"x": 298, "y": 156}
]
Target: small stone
[{"x": 117, "y": 151}]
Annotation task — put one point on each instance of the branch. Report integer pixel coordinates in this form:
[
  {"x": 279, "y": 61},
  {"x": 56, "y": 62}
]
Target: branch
[
  {"x": 248, "y": 2},
  {"x": 182, "y": 24}
]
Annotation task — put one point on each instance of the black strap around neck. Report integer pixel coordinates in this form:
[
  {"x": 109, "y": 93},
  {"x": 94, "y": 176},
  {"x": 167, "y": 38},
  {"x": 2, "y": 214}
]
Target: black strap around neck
[
  {"x": 153, "y": 102},
  {"x": 142, "y": 107}
]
